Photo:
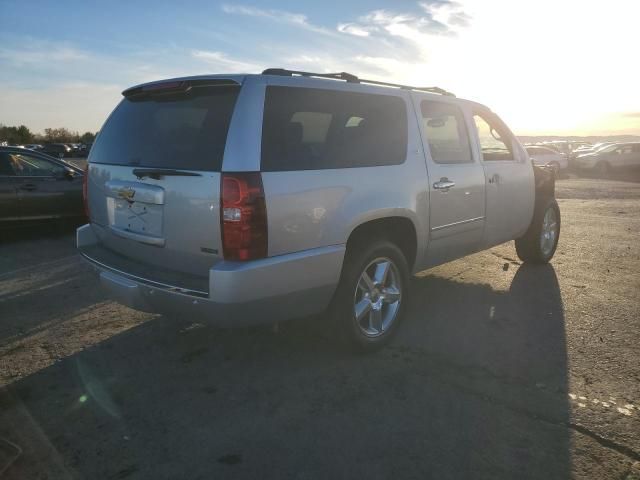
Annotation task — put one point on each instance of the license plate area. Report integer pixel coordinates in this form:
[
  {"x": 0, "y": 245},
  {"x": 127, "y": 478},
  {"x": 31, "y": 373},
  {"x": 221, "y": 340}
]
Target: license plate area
[{"x": 138, "y": 217}]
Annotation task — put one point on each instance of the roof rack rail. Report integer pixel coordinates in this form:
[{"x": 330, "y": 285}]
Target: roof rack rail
[{"x": 350, "y": 78}]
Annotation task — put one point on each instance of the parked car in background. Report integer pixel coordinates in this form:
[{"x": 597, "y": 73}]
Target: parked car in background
[
  {"x": 561, "y": 146},
  {"x": 59, "y": 150},
  {"x": 592, "y": 148},
  {"x": 84, "y": 149},
  {"x": 37, "y": 187},
  {"x": 548, "y": 157},
  {"x": 575, "y": 145},
  {"x": 33, "y": 146},
  {"x": 616, "y": 157},
  {"x": 257, "y": 198}
]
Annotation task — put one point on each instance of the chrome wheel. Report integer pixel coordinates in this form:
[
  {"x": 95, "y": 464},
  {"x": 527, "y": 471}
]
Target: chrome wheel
[
  {"x": 549, "y": 232},
  {"x": 377, "y": 297}
]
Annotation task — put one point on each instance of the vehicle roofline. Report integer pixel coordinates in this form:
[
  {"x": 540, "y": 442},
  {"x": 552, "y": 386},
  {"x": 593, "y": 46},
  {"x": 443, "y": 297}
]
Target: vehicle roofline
[{"x": 241, "y": 77}]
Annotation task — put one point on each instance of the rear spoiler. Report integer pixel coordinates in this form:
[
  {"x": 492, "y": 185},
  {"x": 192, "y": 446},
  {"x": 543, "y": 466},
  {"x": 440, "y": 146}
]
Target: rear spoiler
[{"x": 175, "y": 86}]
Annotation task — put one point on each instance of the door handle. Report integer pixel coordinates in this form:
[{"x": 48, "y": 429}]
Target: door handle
[
  {"x": 444, "y": 184},
  {"x": 495, "y": 178},
  {"x": 29, "y": 187}
]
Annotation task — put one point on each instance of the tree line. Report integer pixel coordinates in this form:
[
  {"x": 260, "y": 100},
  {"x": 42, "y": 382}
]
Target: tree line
[{"x": 22, "y": 135}]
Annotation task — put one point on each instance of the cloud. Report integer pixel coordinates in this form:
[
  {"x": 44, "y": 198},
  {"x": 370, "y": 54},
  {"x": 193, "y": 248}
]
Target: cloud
[
  {"x": 354, "y": 29},
  {"x": 435, "y": 17},
  {"x": 295, "y": 19},
  {"x": 223, "y": 63},
  {"x": 39, "y": 52}
]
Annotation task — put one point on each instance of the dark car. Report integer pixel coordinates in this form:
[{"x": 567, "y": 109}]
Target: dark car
[
  {"x": 37, "y": 187},
  {"x": 59, "y": 150}
]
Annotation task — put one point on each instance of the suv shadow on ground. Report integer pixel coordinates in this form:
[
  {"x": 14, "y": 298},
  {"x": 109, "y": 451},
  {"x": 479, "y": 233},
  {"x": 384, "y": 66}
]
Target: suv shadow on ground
[{"x": 474, "y": 386}]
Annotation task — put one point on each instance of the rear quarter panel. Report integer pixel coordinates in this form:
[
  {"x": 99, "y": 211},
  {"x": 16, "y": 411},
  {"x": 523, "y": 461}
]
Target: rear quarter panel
[{"x": 309, "y": 209}]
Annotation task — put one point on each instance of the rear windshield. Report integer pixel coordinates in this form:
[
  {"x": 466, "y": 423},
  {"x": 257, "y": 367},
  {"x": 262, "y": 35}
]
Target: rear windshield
[
  {"x": 310, "y": 129},
  {"x": 185, "y": 130}
]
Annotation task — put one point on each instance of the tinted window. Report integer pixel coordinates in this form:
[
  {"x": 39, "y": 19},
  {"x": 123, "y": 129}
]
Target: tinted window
[
  {"x": 28, "y": 166},
  {"x": 446, "y": 132},
  {"x": 495, "y": 138},
  {"x": 309, "y": 129},
  {"x": 182, "y": 130},
  {"x": 6, "y": 168}
]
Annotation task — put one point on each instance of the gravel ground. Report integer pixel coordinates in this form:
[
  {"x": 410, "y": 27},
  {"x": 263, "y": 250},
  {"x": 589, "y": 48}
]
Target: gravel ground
[{"x": 500, "y": 371}]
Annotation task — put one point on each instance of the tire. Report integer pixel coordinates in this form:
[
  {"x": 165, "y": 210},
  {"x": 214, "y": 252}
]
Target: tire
[
  {"x": 374, "y": 298},
  {"x": 603, "y": 168},
  {"x": 533, "y": 247}
]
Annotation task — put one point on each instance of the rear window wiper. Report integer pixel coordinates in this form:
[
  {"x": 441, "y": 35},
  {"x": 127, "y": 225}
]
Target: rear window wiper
[{"x": 158, "y": 173}]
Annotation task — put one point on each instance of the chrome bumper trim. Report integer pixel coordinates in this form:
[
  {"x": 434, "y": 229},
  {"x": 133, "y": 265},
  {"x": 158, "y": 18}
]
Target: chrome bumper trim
[{"x": 146, "y": 281}]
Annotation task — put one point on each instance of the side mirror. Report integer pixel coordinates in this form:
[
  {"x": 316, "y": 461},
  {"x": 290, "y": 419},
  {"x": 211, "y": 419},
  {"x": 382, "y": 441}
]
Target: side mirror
[{"x": 69, "y": 173}]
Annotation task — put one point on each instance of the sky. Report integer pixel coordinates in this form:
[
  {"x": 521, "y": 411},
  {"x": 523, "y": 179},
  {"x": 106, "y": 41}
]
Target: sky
[{"x": 565, "y": 67}]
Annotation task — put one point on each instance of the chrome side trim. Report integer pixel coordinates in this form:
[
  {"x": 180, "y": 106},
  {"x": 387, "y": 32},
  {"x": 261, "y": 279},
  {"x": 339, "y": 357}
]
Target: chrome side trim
[
  {"x": 146, "y": 281},
  {"x": 462, "y": 222}
]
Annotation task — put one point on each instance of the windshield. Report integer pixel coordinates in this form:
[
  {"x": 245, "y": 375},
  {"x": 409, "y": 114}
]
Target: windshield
[{"x": 185, "y": 130}]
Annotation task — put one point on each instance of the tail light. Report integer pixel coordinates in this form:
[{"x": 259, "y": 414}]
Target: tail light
[
  {"x": 243, "y": 216},
  {"x": 85, "y": 183}
]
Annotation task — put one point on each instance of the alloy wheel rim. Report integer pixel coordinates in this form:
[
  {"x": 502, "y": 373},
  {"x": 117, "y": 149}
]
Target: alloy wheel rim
[
  {"x": 549, "y": 232},
  {"x": 377, "y": 297}
]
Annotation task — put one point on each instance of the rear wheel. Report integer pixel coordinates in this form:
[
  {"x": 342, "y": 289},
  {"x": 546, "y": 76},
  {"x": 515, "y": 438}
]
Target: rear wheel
[
  {"x": 372, "y": 294},
  {"x": 539, "y": 243}
]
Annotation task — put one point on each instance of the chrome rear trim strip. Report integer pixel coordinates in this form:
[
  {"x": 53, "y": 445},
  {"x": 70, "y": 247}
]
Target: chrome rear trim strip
[{"x": 146, "y": 281}]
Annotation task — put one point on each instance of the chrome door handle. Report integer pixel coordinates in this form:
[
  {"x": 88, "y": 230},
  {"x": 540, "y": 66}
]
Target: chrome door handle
[
  {"x": 444, "y": 184},
  {"x": 495, "y": 178}
]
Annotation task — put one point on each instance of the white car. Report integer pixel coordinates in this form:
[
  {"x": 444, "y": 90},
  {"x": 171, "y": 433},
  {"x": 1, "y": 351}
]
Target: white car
[
  {"x": 545, "y": 156},
  {"x": 619, "y": 156}
]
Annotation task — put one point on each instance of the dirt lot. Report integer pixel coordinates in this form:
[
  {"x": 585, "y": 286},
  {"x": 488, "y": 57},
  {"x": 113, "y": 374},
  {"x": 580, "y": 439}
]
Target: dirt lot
[{"x": 500, "y": 371}]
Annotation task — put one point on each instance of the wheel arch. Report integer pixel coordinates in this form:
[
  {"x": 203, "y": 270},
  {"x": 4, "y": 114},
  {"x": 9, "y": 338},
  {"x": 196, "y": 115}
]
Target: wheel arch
[
  {"x": 397, "y": 228},
  {"x": 545, "y": 184}
]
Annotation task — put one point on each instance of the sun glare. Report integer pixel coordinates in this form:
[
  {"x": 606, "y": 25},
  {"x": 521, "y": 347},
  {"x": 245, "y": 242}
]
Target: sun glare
[{"x": 546, "y": 67}]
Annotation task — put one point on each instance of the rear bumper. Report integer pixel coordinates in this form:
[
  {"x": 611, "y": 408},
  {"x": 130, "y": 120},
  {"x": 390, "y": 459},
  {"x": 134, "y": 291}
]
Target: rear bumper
[{"x": 240, "y": 293}]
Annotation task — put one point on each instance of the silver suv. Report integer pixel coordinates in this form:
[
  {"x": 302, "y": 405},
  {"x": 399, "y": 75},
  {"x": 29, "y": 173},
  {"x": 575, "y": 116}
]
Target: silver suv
[{"x": 240, "y": 199}]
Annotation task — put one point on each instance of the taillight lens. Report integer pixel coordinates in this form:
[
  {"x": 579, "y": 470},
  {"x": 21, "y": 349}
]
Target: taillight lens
[
  {"x": 243, "y": 216},
  {"x": 85, "y": 183}
]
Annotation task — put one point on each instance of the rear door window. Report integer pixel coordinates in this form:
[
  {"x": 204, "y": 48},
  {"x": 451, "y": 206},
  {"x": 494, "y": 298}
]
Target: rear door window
[
  {"x": 311, "y": 129},
  {"x": 183, "y": 130}
]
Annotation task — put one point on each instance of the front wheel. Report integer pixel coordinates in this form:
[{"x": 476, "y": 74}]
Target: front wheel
[
  {"x": 539, "y": 243},
  {"x": 371, "y": 295}
]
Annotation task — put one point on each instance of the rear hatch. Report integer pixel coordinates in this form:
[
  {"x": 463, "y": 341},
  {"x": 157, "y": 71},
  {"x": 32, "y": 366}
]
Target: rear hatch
[{"x": 154, "y": 179}]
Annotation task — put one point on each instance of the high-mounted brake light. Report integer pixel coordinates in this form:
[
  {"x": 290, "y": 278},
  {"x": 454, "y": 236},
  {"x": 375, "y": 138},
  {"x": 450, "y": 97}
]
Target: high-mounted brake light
[
  {"x": 162, "y": 86},
  {"x": 85, "y": 186},
  {"x": 243, "y": 216}
]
